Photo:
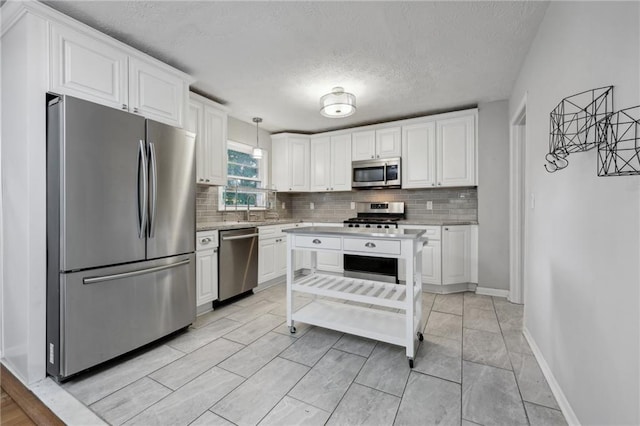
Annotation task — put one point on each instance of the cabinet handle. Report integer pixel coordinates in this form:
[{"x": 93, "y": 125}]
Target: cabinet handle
[
  {"x": 206, "y": 180},
  {"x": 124, "y": 106},
  {"x": 205, "y": 240},
  {"x": 290, "y": 189},
  {"x": 373, "y": 156},
  {"x": 135, "y": 109},
  {"x": 446, "y": 229},
  {"x": 370, "y": 245},
  {"x": 316, "y": 241},
  {"x": 215, "y": 250},
  {"x": 332, "y": 189},
  {"x": 327, "y": 189},
  {"x": 433, "y": 184},
  {"x": 439, "y": 183},
  {"x": 377, "y": 156}
]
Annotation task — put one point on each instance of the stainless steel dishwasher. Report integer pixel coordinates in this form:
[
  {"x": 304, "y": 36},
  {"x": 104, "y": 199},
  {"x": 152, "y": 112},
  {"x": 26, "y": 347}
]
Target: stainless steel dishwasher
[{"x": 238, "y": 262}]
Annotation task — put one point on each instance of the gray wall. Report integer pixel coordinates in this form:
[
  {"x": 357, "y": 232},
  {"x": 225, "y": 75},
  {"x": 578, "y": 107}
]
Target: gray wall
[
  {"x": 582, "y": 279},
  {"x": 241, "y": 131},
  {"x": 493, "y": 195}
]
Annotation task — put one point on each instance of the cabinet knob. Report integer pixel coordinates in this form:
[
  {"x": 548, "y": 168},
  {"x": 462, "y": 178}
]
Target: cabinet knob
[
  {"x": 290, "y": 189},
  {"x": 135, "y": 109},
  {"x": 446, "y": 229},
  {"x": 215, "y": 250},
  {"x": 433, "y": 184},
  {"x": 377, "y": 156},
  {"x": 373, "y": 156},
  {"x": 206, "y": 180},
  {"x": 439, "y": 183},
  {"x": 124, "y": 106},
  {"x": 201, "y": 179}
]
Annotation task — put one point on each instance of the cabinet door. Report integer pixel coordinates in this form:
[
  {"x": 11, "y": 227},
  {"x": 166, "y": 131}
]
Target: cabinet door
[
  {"x": 431, "y": 263},
  {"x": 419, "y": 156},
  {"x": 206, "y": 276},
  {"x": 340, "y": 161},
  {"x": 363, "y": 145},
  {"x": 299, "y": 164},
  {"x": 456, "y": 151},
  {"x": 215, "y": 139},
  {"x": 280, "y": 165},
  {"x": 388, "y": 143},
  {"x": 194, "y": 123},
  {"x": 87, "y": 68},
  {"x": 155, "y": 93},
  {"x": 266, "y": 260},
  {"x": 281, "y": 257},
  {"x": 332, "y": 262},
  {"x": 320, "y": 164},
  {"x": 456, "y": 244}
]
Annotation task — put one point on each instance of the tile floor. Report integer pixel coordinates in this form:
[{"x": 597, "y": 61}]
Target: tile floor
[{"x": 240, "y": 365}]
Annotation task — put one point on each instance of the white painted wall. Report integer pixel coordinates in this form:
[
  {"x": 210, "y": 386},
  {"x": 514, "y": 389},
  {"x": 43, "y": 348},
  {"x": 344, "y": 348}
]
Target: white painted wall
[
  {"x": 24, "y": 83},
  {"x": 493, "y": 195},
  {"x": 582, "y": 275}
]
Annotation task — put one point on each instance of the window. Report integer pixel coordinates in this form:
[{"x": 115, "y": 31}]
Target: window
[{"x": 244, "y": 172}]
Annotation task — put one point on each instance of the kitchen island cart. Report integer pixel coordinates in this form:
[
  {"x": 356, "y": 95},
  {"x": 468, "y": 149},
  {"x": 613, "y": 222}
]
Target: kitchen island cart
[{"x": 399, "y": 324}]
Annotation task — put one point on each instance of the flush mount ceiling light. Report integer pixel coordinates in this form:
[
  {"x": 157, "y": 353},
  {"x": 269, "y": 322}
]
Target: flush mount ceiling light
[
  {"x": 257, "y": 152},
  {"x": 338, "y": 103}
]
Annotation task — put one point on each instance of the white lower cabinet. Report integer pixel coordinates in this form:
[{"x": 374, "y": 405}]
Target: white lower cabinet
[
  {"x": 449, "y": 257},
  {"x": 206, "y": 267},
  {"x": 272, "y": 252}
]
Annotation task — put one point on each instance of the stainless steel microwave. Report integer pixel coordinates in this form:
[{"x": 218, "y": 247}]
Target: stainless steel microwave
[{"x": 379, "y": 173}]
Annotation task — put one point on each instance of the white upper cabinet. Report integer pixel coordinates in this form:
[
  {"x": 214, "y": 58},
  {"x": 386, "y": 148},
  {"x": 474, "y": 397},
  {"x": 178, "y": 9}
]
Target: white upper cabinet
[
  {"x": 419, "y": 155},
  {"x": 456, "y": 151},
  {"x": 85, "y": 67},
  {"x": 290, "y": 162},
  {"x": 439, "y": 153},
  {"x": 363, "y": 145},
  {"x": 89, "y": 65},
  {"x": 155, "y": 93},
  {"x": 388, "y": 143},
  {"x": 331, "y": 163},
  {"x": 208, "y": 120},
  {"x": 383, "y": 143}
]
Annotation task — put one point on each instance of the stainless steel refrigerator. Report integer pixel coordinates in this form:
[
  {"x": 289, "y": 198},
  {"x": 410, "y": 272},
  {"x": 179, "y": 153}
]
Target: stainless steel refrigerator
[{"x": 120, "y": 233}]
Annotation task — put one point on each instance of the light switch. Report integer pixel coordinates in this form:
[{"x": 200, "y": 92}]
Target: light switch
[
  {"x": 284, "y": 206},
  {"x": 429, "y": 205},
  {"x": 353, "y": 205},
  {"x": 312, "y": 206},
  {"x": 533, "y": 201}
]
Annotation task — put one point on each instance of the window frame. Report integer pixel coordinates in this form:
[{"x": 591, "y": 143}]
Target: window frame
[{"x": 263, "y": 174}]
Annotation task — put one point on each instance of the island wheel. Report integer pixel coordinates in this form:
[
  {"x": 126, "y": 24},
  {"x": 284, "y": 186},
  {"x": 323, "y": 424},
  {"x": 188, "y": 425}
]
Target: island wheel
[
  {"x": 420, "y": 336},
  {"x": 410, "y": 363},
  {"x": 292, "y": 329}
]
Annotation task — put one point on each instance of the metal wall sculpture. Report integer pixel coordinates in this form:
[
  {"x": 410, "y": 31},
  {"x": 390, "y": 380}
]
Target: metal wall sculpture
[
  {"x": 574, "y": 125},
  {"x": 619, "y": 151}
]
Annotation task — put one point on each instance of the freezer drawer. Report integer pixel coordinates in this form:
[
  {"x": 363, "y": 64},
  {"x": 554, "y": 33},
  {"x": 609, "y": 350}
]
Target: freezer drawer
[{"x": 110, "y": 311}]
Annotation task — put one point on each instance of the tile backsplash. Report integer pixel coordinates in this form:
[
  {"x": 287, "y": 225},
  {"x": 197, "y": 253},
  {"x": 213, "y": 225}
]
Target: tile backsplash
[{"x": 448, "y": 204}]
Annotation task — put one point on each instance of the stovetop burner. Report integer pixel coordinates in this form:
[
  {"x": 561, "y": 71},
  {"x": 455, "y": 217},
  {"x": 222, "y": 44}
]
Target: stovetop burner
[{"x": 372, "y": 220}]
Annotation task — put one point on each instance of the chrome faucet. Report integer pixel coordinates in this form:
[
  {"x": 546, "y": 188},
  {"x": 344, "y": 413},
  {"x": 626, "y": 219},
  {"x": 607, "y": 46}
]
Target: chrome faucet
[{"x": 249, "y": 214}]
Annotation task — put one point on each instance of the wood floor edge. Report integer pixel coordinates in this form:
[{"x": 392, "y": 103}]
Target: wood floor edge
[{"x": 30, "y": 404}]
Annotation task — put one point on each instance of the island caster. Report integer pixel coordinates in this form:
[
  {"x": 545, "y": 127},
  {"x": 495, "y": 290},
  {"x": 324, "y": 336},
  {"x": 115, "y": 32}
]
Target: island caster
[
  {"x": 410, "y": 362},
  {"x": 420, "y": 336},
  {"x": 292, "y": 329}
]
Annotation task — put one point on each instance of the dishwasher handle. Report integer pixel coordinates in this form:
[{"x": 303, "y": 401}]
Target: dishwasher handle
[{"x": 239, "y": 237}]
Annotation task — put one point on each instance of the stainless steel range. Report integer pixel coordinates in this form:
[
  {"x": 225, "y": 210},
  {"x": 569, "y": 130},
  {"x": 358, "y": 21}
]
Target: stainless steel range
[{"x": 374, "y": 215}]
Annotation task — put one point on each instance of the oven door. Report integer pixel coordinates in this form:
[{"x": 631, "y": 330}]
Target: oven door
[{"x": 371, "y": 268}]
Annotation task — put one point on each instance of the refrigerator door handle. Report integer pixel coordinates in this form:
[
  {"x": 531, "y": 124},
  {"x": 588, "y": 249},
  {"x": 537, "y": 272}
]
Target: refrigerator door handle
[
  {"x": 142, "y": 215},
  {"x": 154, "y": 189},
  {"x": 129, "y": 274}
]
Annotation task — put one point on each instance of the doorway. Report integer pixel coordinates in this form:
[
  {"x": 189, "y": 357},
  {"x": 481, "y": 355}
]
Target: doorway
[{"x": 517, "y": 186}]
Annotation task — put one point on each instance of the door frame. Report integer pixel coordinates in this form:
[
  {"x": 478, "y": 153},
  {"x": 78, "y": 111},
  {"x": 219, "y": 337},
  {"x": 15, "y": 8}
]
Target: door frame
[{"x": 517, "y": 173}]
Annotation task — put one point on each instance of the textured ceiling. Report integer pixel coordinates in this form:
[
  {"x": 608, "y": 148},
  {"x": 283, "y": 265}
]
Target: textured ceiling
[{"x": 275, "y": 59}]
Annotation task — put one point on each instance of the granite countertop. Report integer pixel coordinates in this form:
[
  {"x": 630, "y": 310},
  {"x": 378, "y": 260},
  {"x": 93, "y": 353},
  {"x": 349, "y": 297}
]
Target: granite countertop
[
  {"x": 437, "y": 222},
  {"x": 223, "y": 226},
  {"x": 398, "y": 234}
]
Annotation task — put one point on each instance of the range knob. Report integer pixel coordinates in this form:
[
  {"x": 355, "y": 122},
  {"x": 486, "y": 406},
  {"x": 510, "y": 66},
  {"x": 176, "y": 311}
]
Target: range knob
[
  {"x": 350, "y": 225},
  {"x": 386, "y": 226},
  {"x": 368, "y": 226},
  {"x": 379, "y": 226},
  {"x": 357, "y": 225}
]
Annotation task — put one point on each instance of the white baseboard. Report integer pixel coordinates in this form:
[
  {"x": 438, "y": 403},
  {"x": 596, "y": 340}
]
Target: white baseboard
[
  {"x": 492, "y": 292},
  {"x": 567, "y": 411}
]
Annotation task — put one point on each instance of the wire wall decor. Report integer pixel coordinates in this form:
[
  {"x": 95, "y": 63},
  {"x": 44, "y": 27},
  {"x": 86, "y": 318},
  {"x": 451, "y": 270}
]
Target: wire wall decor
[
  {"x": 587, "y": 120},
  {"x": 575, "y": 125},
  {"x": 619, "y": 151}
]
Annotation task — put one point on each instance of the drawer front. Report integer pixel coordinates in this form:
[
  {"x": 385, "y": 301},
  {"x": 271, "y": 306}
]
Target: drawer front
[
  {"x": 330, "y": 243},
  {"x": 206, "y": 240},
  {"x": 432, "y": 232},
  {"x": 372, "y": 245},
  {"x": 268, "y": 231}
]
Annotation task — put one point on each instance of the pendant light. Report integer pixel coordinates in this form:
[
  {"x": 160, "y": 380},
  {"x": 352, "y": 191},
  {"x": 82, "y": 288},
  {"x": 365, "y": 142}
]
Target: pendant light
[
  {"x": 257, "y": 152},
  {"x": 338, "y": 103}
]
